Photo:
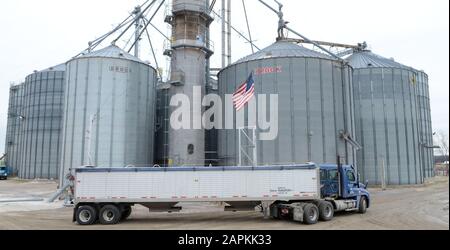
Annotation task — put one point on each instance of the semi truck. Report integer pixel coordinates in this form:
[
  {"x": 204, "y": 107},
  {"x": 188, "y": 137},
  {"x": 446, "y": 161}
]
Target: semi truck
[{"x": 305, "y": 193}]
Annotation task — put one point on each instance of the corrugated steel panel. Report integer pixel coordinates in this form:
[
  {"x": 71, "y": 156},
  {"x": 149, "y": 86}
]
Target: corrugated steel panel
[
  {"x": 40, "y": 136},
  {"x": 367, "y": 59},
  {"x": 119, "y": 93},
  {"x": 113, "y": 52},
  {"x": 391, "y": 120},
  {"x": 283, "y": 49},
  {"x": 425, "y": 124},
  {"x": 315, "y": 106},
  {"x": 12, "y": 146}
]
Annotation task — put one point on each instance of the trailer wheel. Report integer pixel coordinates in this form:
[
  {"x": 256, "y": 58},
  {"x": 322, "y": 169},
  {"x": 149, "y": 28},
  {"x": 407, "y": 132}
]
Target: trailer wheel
[
  {"x": 362, "y": 205},
  {"x": 110, "y": 215},
  {"x": 326, "y": 211},
  {"x": 86, "y": 215},
  {"x": 126, "y": 212},
  {"x": 311, "y": 214}
]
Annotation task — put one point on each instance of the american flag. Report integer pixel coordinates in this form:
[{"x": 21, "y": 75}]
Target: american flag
[{"x": 244, "y": 93}]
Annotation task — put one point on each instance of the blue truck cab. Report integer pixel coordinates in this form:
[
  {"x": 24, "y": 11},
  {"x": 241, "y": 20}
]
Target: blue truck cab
[
  {"x": 343, "y": 183},
  {"x": 340, "y": 191},
  {"x": 3, "y": 173}
]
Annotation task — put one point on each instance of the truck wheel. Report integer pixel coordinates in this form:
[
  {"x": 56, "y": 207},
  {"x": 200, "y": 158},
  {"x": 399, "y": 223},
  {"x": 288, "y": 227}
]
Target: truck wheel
[
  {"x": 362, "y": 205},
  {"x": 126, "y": 212},
  {"x": 326, "y": 211},
  {"x": 110, "y": 215},
  {"x": 311, "y": 214},
  {"x": 86, "y": 215}
]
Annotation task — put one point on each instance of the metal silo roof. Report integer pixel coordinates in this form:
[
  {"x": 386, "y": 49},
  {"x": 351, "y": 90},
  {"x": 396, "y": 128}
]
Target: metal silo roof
[
  {"x": 367, "y": 59},
  {"x": 283, "y": 49},
  {"x": 59, "y": 67},
  {"x": 112, "y": 51}
]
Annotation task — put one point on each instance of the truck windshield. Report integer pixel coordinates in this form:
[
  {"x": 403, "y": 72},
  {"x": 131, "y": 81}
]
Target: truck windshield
[{"x": 2, "y": 168}]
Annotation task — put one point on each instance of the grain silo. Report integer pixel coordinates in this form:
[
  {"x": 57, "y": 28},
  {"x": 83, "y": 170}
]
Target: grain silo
[
  {"x": 316, "y": 121},
  {"x": 40, "y": 128},
  {"x": 387, "y": 120},
  {"x": 12, "y": 145},
  {"x": 109, "y": 111},
  {"x": 425, "y": 125}
]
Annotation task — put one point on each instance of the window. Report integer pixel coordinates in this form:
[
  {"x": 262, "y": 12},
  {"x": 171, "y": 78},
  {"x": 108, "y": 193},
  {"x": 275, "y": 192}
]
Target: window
[
  {"x": 323, "y": 175},
  {"x": 351, "y": 176},
  {"x": 191, "y": 149},
  {"x": 333, "y": 175}
]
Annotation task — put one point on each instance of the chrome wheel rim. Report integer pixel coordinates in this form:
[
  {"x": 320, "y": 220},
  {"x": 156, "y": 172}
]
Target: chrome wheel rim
[
  {"x": 328, "y": 211},
  {"x": 85, "y": 216},
  {"x": 313, "y": 215},
  {"x": 108, "y": 216}
]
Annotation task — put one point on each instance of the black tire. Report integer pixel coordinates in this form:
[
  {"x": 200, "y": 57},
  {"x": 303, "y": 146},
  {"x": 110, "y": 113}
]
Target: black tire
[
  {"x": 109, "y": 215},
  {"x": 310, "y": 214},
  {"x": 362, "y": 205},
  {"x": 326, "y": 211},
  {"x": 126, "y": 212},
  {"x": 86, "y": 215}
]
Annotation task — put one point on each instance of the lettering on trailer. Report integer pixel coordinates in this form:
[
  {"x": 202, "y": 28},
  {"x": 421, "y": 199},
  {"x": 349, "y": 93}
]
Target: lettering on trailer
[
  {"x": 281, "y": 190},
  {"x": 268, "y": 70}
]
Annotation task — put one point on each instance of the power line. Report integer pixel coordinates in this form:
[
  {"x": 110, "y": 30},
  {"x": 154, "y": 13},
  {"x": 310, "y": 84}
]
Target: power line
[{"x": 235, "y": 30}]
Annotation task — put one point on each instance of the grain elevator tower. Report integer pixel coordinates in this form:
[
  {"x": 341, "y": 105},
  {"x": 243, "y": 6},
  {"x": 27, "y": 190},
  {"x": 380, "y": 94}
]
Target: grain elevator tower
[{"x": 190, "y": 50}]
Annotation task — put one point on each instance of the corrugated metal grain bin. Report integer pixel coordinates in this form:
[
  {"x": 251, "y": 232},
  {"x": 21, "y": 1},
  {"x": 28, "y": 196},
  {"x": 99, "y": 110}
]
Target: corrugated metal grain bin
[
  {"x": 12, "y": 145},
  {"x": 40, "y": 128},
  {"x": 110, "y": 111},
  {"x": 425, "y": 125},
  {"x": 315, "y": 105},
  {"x": 387, "y": 119}
]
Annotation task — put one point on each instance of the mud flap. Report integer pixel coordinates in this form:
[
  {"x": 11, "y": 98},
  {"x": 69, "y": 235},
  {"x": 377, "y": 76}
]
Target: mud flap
[
  {"x": 274, "y": 213},
  {"x": 298, "y": 212},
  {"x": 74, "y": 213}
]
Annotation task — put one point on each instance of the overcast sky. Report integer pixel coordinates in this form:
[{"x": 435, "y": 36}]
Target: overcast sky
[{"x": 38, "y": 34}]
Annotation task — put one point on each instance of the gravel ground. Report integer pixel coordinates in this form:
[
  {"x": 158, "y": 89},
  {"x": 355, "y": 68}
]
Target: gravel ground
[{"x": 409, "y": 208}]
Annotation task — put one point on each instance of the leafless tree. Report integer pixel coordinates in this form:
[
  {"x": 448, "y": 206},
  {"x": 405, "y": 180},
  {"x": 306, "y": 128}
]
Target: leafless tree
[{"x": 442, "y": 140}]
